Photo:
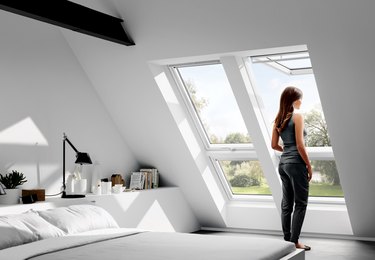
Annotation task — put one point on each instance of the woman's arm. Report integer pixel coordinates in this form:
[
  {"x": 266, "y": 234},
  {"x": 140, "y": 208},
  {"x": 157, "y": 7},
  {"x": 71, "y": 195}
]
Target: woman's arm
[
  {"x": 298, "y": 122},
  {"x": 275, "y": 140}
]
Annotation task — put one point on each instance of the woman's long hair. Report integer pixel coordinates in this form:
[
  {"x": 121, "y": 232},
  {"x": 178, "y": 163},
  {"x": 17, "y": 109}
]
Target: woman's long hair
[{"x": 289, "y": 95}]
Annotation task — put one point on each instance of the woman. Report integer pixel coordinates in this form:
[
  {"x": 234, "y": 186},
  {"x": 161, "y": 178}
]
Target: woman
[{"x": 294, "y": 167}]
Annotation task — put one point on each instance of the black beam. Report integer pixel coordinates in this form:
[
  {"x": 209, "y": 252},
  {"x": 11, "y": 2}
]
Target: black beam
[{"x": 72, "y": 16}]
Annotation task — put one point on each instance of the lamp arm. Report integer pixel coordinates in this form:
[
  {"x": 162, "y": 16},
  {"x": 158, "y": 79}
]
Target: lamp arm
[
  {"x": 64, "y": 186},
  {"x": 66, "y": 139}
]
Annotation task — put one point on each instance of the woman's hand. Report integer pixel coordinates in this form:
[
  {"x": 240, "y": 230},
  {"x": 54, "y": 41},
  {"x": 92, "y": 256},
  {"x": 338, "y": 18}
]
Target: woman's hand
[{"x": 309, "y": 172}]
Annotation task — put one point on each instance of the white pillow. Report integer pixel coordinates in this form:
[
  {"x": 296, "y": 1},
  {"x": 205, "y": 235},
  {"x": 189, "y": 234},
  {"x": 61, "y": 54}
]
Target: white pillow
[
  {"x": 38, "y": 225},
  {"x": 14, "y": 232},
  {"x": 79, "y": 218}
]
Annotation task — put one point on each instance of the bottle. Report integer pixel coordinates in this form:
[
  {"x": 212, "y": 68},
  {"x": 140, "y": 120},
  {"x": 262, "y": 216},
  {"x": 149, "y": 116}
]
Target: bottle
[
  {"x": 96, "y": 176},
  {"x": 98, "y": 188}
]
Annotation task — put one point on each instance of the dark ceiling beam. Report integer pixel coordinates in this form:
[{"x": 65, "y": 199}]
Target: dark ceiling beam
[{"x": 72, "y": 16}]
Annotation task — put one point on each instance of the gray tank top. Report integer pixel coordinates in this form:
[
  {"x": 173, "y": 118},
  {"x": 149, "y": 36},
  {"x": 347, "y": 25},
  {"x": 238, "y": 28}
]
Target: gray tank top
[{"x": 290, "y": 153}]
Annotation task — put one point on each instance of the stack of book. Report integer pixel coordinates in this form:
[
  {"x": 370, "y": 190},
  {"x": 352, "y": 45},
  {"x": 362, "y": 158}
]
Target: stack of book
[{"x": 144, "y": 179}]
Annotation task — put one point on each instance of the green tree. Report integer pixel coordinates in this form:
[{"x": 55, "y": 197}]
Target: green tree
[
  {"x": 317, "y": 136},
  {"x": 244, "y": 180},
  {"x": 198, "y": 102},
  {"x": 228, "y": 169},
  {"x": 237, "y": 172},
  {"x": 317, "y": 130},
  {"x": 237, "y": 138},
  {"x": 214, "y": 139},
  {"x": 328, "y": 169},
  {"x": 252, "y": 169}
]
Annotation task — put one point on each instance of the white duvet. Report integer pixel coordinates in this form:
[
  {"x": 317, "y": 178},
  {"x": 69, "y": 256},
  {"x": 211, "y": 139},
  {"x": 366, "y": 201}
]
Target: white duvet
[{"x": 136, "y": 244}]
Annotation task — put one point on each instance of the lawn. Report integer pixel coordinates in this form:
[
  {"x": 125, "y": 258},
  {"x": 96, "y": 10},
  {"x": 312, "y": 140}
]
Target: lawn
[{"x": 321, "y": 190}]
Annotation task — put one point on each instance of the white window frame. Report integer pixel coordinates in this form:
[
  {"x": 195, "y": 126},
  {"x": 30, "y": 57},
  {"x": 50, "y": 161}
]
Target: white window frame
[
  {"x": 194, "y": 115},
  {"x": 216, "y": 156},
  {"x": 216, "y": 152},
  {"x": 315, "y": 153}
]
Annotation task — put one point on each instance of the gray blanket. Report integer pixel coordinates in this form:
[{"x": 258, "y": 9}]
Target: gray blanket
[{"x": 156, "y": 246}]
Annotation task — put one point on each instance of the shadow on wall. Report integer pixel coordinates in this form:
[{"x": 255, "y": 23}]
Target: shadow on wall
[
  {"x": 23, "y": 142},
  {"x": 162, "y": 209}
]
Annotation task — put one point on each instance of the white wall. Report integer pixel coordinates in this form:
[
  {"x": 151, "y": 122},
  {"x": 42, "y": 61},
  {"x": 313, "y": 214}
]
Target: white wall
[
  {"x": 43, "y": 93},
  {"x": 340, "y": 38}
]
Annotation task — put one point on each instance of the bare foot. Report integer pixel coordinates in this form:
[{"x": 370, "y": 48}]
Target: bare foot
[{"x": 302, "y": 246}]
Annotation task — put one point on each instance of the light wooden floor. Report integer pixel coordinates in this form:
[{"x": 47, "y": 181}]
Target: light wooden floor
[{"x": 323, "y": 248}]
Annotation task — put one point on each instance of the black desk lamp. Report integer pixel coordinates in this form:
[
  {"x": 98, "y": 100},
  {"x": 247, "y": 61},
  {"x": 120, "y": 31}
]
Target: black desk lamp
[{"x": 82, "y": 158}]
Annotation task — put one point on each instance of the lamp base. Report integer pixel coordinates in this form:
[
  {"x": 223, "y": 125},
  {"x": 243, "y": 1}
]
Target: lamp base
[{"x": 72, "y": 196}]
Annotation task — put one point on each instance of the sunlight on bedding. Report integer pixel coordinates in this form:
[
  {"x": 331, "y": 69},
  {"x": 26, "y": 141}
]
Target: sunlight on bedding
[{"x": 25, "y": 132}]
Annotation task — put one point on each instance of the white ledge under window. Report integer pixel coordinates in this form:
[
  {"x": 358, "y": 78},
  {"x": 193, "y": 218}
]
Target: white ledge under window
[
  {"x": 269, "y": 199},
  {"x": 320, "y": 153},
  {"x": 316, "y": 153},
  {"x": 327, "y": 200},
  {"x": 252, "y": 198}
]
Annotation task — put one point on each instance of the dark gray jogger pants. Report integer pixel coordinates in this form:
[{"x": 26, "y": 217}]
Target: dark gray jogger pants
[{"x": 295, "y": 187}]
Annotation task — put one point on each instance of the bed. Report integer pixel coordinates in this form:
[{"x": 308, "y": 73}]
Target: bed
[{"x": 90, "y": 232}]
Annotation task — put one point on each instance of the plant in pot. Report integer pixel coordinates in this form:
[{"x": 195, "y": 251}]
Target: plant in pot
[{"x": 11, "y": 181}]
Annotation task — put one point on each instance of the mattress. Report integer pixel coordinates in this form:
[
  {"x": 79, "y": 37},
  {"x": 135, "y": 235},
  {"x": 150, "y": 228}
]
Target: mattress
[{"x": 138, "y": 244}]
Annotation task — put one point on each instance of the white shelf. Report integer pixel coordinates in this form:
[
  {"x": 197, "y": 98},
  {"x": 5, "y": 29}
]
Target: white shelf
[{"x": 161, "y": 209}]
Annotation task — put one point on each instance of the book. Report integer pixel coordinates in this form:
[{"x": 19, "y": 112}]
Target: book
[
  {"x": 151, "y": 178},
  {"x": 137, "y": 181},
  {"x": 155, "y": 179},
  {"x": 145, "y": 178}
]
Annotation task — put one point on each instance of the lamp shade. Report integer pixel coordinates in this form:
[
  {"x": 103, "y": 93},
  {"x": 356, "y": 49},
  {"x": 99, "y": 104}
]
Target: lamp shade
[{"x": 83, "y": 158}]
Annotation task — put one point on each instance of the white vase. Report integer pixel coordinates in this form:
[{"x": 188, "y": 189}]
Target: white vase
[
  {"x": 12, "y": 196},
  {"x": 80, "y": 186}
]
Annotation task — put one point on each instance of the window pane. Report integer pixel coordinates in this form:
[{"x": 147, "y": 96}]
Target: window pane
[
  {"x": 245, "y": 177},
  {"x": 270, "y": 82},
  {"x": 325, "y": 181},
  {"x": 214, "y": 103}
]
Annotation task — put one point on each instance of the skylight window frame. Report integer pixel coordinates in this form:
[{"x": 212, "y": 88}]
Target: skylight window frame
[
  {"x": 315, "y": 153},
  {"x": 215, "y": 152},
  {"x": 275, "y": 62},
  {"x": 216, "y": 157},
  {"x": 201, "y": 160},
  {"x": 194, "y": 115},
  {"x": 186, "y": 99}
]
